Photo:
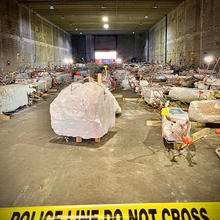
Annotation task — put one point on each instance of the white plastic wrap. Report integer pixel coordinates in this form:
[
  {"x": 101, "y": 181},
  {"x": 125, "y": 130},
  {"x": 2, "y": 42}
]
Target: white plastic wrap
[
  {"x": 42, "y": 84},
  {"x": 144, "y": 83},
  {"x": 62, "y": 77},
  {"x": 13, "y": 96},
  {"x": 212, "y": 82},
  {"x": 152, "y": 95},
  {"x": 175, "y": 125},
  {"x": 188, "y": 94},
  {"x": 84, "y": 110},
  {"x": 205, "y": 111},
  {"x": 125, "y": 83}
]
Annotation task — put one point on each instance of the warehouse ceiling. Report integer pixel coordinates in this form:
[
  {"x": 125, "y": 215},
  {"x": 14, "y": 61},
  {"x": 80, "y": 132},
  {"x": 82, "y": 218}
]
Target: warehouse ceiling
[{"x": 124, "y": 16}]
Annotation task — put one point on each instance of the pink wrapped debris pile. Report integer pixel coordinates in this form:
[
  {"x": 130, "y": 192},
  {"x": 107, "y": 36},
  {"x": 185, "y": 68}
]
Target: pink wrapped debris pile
[{"x": 84, "y": 110}]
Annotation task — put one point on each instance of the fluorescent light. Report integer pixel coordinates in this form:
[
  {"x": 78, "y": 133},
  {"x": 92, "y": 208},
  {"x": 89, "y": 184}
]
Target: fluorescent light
[
  {"x": 155, "y": 5},
  {"x": 105, "y": 19},
  {"x": 68, "y": 60},
  {"x": 119, "y": 60},
  {"x": 209, "y": 59},
  {"x": 106, "y": 26},
  {"x": 80, "y": 33},
  {"x": 105, "y": 55},
  {"x": 52, "y": 7},
  {"x": 76, "y": 29},
  {"x": 146, "y": 16},
  {"x": 133, "y": 32}
]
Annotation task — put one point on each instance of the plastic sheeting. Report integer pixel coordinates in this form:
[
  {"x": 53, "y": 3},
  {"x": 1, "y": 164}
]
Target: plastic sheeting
[
  {"x": 13, "y": 96},
  {"x": 43, "y": 84},
  {"x": 152, "y": 95},
  {"x": 175, "y": 125},
  {"x": 188, "y": 94},
  {"x": 205, "y": 111},
  {"x": 84, "y": 110}
]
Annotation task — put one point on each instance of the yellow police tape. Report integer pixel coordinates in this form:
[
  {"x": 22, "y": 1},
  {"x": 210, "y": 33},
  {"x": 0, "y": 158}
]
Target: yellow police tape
[{"x": 152, "y": 211}]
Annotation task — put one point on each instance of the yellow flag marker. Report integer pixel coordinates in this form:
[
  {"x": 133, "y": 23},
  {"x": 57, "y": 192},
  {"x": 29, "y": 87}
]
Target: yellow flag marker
[{"x": 165, "y": 111}]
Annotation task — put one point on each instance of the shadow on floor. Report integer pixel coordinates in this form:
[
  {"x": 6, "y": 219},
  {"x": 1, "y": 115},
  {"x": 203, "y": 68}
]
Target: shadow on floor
[{"x": 89, "y": 143}]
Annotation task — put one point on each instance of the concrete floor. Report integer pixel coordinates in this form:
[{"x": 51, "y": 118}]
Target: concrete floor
[{"x": 129, "y": 165}]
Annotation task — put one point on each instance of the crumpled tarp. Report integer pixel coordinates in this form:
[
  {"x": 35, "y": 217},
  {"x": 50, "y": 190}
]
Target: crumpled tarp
[
  {"x": 84, "y": 110},
  {"x": 205, "y": 111},
  {"x": 13, "y": 96}
]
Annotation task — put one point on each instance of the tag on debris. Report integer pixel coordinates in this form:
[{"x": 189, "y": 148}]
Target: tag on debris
[{"x": 165, "y": 111}]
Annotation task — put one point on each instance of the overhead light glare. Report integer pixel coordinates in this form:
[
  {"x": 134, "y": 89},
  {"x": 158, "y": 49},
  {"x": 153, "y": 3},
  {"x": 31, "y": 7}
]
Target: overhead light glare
[
  {"x": 76, "y": 29},
  {"x": 103, "y": 7},
  {"x": 105, "y": 19},
  {"x": 106, "y": 26},
  {"x": 52, "y": 7},
  {"x": 155, "y": 5},
  {"x": 80, "y": 33},
  {"x": 209, "y": 59},
  {"x": 133, "y": 32},
  {"x": 118, "y": 60},
  {"x": 68, "y": 60},
  {"x": 146, "y": 16}
]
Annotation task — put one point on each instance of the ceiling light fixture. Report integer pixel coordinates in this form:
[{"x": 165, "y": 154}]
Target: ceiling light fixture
[
  {"x": 155, "y": 5},
  {"x": 76, "y": 29},
  {"x": 103, "y": 7},
  {"x": 52, "y": 7},
  {"x": 80, "y": 33},
  {"x": 133, "y": 32},
  {"x": 106, "y": 26},
  {"x": 146, "y": 16},
  {"x": 105, "y": 19}
]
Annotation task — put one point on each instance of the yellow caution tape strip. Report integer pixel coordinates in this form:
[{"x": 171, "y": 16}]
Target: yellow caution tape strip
[{"x": 153, "y": 211}]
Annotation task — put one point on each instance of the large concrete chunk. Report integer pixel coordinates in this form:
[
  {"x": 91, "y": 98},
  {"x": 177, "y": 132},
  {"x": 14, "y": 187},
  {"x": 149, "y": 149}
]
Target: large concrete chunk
[
  {"x": 13, "y": 96},
  {"x": 85, "y": 110},
  {"x": 205, "y": 111},
  {"x": 189, "y": 94}
]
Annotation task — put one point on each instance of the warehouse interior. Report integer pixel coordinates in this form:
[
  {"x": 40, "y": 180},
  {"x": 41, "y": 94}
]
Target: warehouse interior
[{"x": 109, "y": 102}]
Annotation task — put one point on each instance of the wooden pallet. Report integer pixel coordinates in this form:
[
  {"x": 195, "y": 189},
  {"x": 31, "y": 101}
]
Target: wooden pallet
[
  {"x": 117, "y": 95},
  {"x": 133, "y": 100},
  {"x": 159, "y": 123},
  {"x": 79, "y": 140},
  {"x": 196, "y": 136},
  {"x": 5, "y": 117}
]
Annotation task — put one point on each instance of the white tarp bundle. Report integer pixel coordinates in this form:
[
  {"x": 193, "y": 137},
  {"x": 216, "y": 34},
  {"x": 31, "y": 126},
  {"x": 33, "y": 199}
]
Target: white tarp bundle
[
  {"x": 175, "y": 125},
  {"x": 189, "y": 94},
  {"x": 205, "y": 111},
  {"x": 13, "y": 96},
  {"x": 42, "y": 84},
  {"x": 84, "y": 110},
  {"x": 125, "y": 83},
  {"x": 152, "y": 96},
  {"x": 212, "y": 82}
]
